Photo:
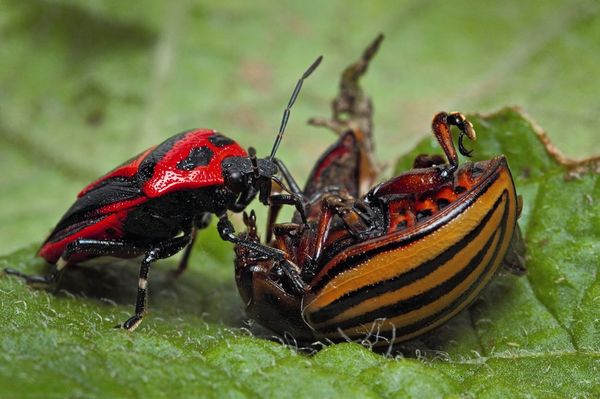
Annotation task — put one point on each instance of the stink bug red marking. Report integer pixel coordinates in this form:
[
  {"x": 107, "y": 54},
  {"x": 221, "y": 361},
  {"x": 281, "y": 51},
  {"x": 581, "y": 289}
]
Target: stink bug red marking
[{"x": 153, "y": 204}]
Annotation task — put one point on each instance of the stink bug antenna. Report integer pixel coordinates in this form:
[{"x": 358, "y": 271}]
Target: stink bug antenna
[
  {"x": 252, "y": 154},
  {"x": 286, "y": 113}
]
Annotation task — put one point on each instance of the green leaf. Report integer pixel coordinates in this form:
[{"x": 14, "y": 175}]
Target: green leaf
[
  {"x": 86, "y": 84},
  {"x": 535, "y": 335}
]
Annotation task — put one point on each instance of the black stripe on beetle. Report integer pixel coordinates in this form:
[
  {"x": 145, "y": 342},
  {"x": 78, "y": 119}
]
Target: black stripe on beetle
[
  {"x": 109, "y": 191},
  {"x": 428, "y": 322},
  {"x": 367, "y": 292},
  {"x": 359, "y": 258},
  {"x": 417, "y": 301}
]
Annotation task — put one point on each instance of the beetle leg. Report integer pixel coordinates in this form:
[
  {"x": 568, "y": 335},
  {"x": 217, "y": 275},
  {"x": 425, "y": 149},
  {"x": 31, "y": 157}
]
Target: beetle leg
[
  {"x": 98, "y": 248},
  {"x": 294, "y": 189},
  {"x": 227, "y": 233},
  {"x": 328, "y": 205},
  {"x": 441, "y": 129},
  {"x": 200, "y": 222},
  {"x": 283, "y": 265},
  {"x": 244, "y": 199},
  {"x": 332, "y": 205},
  {"x": 272, "y": 214},
  {"x": 292, "y": 273},
  {"x": 163, "y": 250}
]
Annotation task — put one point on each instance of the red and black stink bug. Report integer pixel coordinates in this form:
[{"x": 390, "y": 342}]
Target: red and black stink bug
[
  {"x": 153, "y": 204},
  {"x": 393, "y": 264}
]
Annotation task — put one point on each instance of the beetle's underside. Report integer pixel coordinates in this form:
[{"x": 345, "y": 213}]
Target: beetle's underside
[{"x": 427, "y": 258}]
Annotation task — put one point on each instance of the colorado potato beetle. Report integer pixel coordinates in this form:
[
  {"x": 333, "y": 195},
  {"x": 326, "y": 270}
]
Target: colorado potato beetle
[{"x": 391, "y": 263}]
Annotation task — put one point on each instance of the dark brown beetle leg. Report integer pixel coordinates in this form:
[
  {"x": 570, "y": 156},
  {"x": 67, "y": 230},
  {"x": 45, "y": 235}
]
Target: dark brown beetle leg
[
  {"x": 297, "y": 199},
  {"x": 292, "y": 274},
  {"x": 354, "y": 220},
  {"x": 272, "y": 215},
  {"x": 320, "y": 237},
  {"x": 441, "y": 128},
  {"x": 282, "y": 231},
  {"x": 283, "y": 265},
  {"x": 227, "y": 233},
  {"x": 330, "y": 207},
  {"x": 414, "y": 181},
  {"x": 201, "y": 222}
]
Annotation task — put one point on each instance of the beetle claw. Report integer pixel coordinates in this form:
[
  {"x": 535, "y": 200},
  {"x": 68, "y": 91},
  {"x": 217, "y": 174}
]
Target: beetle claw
[{"x": 461, "y": 146}]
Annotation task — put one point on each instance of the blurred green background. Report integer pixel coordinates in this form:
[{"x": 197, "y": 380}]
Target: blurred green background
[{"x": 86, "y": 84}]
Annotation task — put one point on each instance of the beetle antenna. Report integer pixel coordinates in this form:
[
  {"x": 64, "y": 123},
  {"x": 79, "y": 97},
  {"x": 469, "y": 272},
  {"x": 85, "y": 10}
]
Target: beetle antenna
[
  {"x": 286, "y": 113},
  {"x": 252, "y": 154}
]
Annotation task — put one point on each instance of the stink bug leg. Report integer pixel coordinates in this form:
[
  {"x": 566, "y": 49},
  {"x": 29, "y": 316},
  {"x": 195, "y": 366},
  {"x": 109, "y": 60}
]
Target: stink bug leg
[
  {"x": 202, "y": 222},
  {"x": 165, "y": 250},
  {"x": 35, "y": 279}
]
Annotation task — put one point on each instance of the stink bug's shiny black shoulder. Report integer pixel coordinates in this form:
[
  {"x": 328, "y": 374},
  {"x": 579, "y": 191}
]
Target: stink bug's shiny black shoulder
[{"x": 169, "y": 165}]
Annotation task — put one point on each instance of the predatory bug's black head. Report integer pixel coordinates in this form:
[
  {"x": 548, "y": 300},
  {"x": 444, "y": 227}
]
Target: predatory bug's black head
[{"x": 244, "y": 173}]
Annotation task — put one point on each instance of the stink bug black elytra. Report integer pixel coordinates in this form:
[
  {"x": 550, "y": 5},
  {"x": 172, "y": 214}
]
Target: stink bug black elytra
[
  {"x": 153, "y": 204},
  {"x": 393, "y": 263}
]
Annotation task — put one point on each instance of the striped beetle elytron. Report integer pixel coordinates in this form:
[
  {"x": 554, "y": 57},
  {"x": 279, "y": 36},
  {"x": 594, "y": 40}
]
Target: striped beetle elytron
[{"x": 393, "y": 263}]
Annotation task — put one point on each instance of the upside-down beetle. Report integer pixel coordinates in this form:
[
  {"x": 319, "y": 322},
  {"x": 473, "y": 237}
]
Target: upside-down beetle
[
  {"x": 153, "y": 204},
  {"x": 393, "y": 263}
]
